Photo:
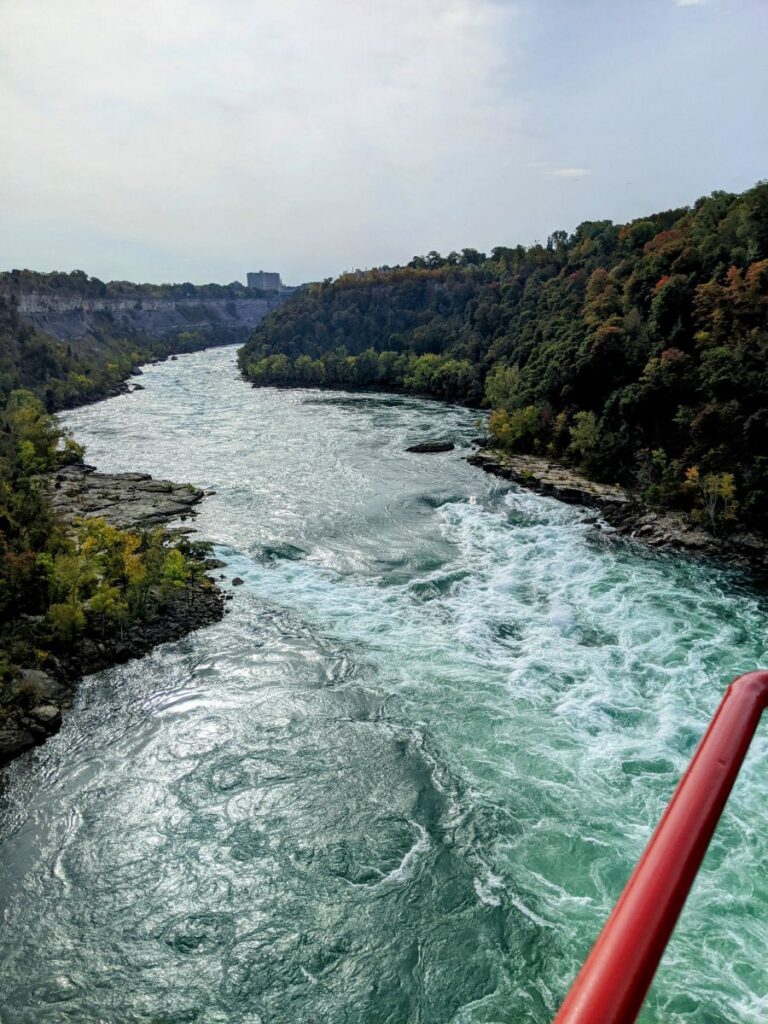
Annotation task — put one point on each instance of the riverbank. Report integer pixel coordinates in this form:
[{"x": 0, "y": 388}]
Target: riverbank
[
  {"x": 408, "y": 694},
  {"x": 622, "y": 511},
  {"x": 32, "y": 704}
]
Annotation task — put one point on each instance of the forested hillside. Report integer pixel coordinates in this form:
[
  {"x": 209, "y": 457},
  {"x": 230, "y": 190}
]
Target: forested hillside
[
  {"x": 636, "y": 352},
  {"x": 61, "y": 374}
]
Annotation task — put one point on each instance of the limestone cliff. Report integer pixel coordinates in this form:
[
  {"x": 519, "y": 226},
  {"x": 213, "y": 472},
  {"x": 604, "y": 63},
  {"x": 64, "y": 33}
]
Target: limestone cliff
[{"x": 74, "y": 317}]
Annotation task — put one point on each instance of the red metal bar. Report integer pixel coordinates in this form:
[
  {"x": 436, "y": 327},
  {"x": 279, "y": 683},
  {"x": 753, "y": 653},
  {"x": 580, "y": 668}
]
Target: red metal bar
[{"x": 612, "y": 984}]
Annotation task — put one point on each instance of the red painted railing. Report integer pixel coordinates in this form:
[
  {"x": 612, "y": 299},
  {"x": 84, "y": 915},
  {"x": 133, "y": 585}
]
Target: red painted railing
[{"x": 612, "y": 984}]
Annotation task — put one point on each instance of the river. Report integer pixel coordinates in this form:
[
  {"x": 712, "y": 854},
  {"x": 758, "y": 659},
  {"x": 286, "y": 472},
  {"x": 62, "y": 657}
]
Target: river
[{"x": 406, "y": 776}]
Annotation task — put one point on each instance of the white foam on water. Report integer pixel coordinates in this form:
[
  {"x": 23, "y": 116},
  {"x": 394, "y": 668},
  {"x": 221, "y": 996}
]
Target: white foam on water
[
  {"x": 563, "y": 680},
  {"x": 407, "y": 865}
]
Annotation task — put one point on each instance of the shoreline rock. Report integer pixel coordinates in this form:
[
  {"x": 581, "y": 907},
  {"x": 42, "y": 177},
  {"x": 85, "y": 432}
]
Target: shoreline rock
[
  {"x": 431, "y": 447},
  {"x": 31, "y": 706},
  {"x": 129, "y": 501},
  {"x": 663, "y": 530},
  {"x": 547, "y": 477}
]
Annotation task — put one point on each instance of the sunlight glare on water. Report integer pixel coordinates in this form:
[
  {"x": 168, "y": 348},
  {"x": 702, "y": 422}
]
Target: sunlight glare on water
[{"x": 406, "y": 777}]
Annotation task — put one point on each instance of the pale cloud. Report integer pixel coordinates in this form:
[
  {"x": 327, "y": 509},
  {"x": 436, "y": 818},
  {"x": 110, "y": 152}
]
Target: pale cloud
[
  {"x": 568, "y": 172},
  {"x": 198, "y": 139},
  {"x": 690, "y": 3},
  {"x": 234, "y": 125}
]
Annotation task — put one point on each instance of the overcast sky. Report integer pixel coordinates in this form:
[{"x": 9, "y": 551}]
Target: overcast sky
[{"x": 170, "y": 140}]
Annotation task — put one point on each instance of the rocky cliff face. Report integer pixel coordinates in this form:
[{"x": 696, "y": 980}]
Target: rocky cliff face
[{"x": 72, "y": 317}]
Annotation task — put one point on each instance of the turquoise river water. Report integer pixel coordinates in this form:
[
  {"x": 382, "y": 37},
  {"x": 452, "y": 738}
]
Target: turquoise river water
[{"x": 406, "y": 776}]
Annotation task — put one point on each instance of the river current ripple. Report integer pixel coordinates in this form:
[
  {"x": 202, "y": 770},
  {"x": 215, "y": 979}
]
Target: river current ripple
[{"x": 406, "y": 776}]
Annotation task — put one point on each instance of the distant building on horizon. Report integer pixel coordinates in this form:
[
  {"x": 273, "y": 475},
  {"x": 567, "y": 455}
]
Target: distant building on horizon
[{"x": 265, "y": 281}]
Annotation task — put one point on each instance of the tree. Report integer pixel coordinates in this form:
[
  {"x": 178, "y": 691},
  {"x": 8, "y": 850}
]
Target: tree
[
  {"x": 584, "y": 433},
  {"x": 32, "y": 431},
  {"x": 517, "y": 428},
  {"x": 716, "y": 493},
  {"x": 175, "y": 573},
  {"x": 502, "y": 386},
  {"x": 108, "y": 604}
]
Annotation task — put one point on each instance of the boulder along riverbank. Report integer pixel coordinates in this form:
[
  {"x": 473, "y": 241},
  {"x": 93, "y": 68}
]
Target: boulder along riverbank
[
  {"x": 623, "y": 511},
  {"x": 31, "y": 707}
]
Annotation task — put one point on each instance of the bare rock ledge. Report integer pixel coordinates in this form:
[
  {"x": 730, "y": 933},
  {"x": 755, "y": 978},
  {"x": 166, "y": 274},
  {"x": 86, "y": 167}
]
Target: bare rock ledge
[
  {"x": 547, "y": 477},
  {"x": 669, "y": 529},
  {"x": 129, "y": 501}
]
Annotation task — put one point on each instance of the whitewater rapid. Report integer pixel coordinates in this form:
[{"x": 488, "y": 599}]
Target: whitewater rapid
[{"x": 407, "y": 775}]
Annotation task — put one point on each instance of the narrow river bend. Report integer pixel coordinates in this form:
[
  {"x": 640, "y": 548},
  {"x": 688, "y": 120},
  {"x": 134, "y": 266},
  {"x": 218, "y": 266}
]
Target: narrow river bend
[{"x": 404, "y": 779}]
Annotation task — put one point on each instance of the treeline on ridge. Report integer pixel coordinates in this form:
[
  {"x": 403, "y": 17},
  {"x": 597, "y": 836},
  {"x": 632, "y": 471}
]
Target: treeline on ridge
[
  {"x": 78, "y": 283},
  {"x": 635, "y": 352}
]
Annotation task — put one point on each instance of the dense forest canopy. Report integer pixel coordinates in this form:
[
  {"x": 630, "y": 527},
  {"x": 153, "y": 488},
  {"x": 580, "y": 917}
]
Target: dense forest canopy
[{"x": 637, "y": 352}]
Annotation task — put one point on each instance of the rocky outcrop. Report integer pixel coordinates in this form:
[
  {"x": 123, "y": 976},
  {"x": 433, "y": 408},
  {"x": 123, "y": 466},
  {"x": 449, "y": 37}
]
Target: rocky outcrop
[
  {"x": 31, "y": 705},
  {"x": 622, "y": 511},
  {"x": 130, "y": 501},
  {"x": 31, "y": 711},
  {"x": 548, "y": 477},
  {"x": 674, "y": 531},
  {"x": 431, "y": 447}
]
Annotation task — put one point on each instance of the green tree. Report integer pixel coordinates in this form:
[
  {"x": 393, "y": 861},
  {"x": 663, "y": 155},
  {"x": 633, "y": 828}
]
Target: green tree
[
  {"x": 584, "y": 433},
  {"x": 176, "y": 572}
]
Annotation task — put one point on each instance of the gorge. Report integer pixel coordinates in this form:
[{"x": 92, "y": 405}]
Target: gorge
[
  {"x": 384, "y": 512},
  {"x": 72, "y": 338},
  {"x": 407, "y": 774}
]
